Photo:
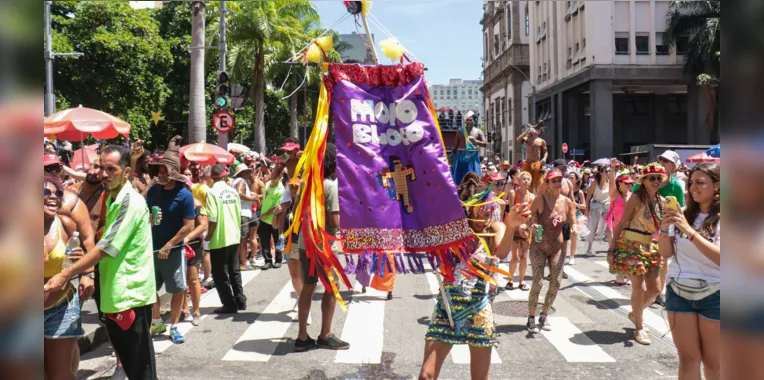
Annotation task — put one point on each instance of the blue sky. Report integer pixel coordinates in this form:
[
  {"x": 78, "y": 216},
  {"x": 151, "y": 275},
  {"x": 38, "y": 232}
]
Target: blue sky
[{"x": 443, "y": 34}]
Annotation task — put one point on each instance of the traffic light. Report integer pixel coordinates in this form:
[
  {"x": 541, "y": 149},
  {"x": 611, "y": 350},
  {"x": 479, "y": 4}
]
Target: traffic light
[{"x": 222, "y": 91}]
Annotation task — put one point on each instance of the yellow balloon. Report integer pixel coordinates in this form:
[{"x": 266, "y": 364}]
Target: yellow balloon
[
  {"x": 391, "y": 48},
  {"x": 313, "y": 54},
  {"x": 326, "y": 43}
]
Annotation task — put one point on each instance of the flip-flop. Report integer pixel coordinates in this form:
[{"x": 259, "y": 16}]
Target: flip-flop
[
  {"x": 524, "y": 287},
  {"x": 510, "y": 286}
]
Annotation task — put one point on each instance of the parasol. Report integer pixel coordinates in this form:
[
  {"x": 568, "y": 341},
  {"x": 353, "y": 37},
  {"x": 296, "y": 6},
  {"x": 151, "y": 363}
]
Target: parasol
[
  {"x": 206, "y": 154},
  {"x": 75, "y": 124},
  {"x": 443, "y": 109},
  {"x": 602, "y": 162},
  {"x": 83, "y": 157},
  {"x": 702, "y": 157},
  {"x": 238, "y": 148},
  {"x": 715, "y": 151}
]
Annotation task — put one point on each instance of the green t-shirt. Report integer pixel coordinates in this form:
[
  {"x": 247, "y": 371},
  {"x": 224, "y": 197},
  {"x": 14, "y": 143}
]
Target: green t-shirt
[
  {"x": 127, "y": 272},
  {"x": 673, "y": 187},
  {"x": 271, "y": 199},
  {"x": 224, "y": 208}
]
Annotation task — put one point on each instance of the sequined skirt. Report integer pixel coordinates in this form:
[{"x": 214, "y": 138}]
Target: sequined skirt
[
  {"x": 477, "y": 329},
  {"x": 633, "y": 258}
]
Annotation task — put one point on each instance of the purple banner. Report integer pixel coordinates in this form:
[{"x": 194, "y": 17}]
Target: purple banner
[{"x": 396, "y": 192}]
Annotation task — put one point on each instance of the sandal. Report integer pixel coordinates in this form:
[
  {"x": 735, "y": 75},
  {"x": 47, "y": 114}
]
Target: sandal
[
  {"x": 510, "y": 286},
  {"x": 524, "y": 287}
]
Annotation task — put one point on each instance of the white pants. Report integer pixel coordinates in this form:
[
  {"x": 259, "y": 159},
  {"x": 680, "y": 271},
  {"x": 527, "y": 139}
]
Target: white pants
[{"x": 597, "y": 213}]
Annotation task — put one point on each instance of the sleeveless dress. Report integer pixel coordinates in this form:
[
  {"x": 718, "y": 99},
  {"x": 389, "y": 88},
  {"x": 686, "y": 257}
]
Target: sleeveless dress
[
  {"x": 465, "y": 161},
  {"x": 471, "y": 308},
  {"x": 636, "y": 252}
]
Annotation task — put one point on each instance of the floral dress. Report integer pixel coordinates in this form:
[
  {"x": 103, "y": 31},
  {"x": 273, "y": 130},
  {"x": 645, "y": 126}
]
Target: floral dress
[
  {"x": 638, "y": 257},
  {"x": 471, "y": 308}
]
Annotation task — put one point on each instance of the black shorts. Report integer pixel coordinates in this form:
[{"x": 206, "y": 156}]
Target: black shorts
[
  {"x": 198, "y": 248},
  {"x": 566, "y": 231},
  {"x": 305, "y": 264}
]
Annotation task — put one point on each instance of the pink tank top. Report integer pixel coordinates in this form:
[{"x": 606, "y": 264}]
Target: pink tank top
[{"x": 616, "y": 211}]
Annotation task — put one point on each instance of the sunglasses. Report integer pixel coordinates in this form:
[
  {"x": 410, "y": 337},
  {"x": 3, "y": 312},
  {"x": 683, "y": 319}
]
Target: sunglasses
[
  {"x": 52, "y": 168},
  {"x": 653, "y": 178},
  {"x": 46, "y": 193}
]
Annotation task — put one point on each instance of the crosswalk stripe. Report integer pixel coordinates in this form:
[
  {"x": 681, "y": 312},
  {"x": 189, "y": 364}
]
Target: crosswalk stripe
[
  {"x": 603, "y": 263},
  {"x": 654, "y": 322},
  {"x": 209, "y": 299},
  {"x": 583, "y": 351},
  {"x": 460, "y": 353},
  {"x": 363, "y": 328},
  {"x": 259, "y": 342}
]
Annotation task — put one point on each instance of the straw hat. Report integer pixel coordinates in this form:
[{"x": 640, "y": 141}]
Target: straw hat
[{"x": 652, "y": 169}]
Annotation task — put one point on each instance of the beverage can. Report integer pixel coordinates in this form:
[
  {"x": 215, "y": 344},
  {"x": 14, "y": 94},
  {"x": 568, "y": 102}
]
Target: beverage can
[
  {"x": 539, "y": 233},
  {"x": 155, "y": 215}
]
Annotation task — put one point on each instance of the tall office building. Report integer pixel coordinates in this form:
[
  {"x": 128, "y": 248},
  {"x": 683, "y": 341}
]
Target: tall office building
[
  {"x": 506, "y": 85},
  {"x": 605, "y": 81},
  {"x": 460, "y": 96}
]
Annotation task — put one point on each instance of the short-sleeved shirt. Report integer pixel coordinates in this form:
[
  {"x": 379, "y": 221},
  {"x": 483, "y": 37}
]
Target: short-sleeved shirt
[
  {"x": 127, "y": 272},
  {"x": 224, "y": 209},
  {"x": 688, "y": 262},
  {"x": 199, "y": 191},
  {"x": 673, "y": 187},
  {"x": 176, "y": 204},
  {"x": 272, "y": 198},
  {"x": 331, "y": 203}
]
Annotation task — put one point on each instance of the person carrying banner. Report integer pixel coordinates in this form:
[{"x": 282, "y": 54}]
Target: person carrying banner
[{"x": 465, "y": 157}]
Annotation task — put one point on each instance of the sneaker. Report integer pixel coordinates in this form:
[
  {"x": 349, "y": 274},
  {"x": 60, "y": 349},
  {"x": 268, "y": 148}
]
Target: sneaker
[
  {"x": 176, "y": 336},
  {"x": 572, "y": 261},
  {"x": 532, "y": 327},
  {"x": 267, "y": 266},
  {"x": 302, "y": 345},
  {"x": 331, "y": 342},
  {"x": 209, "y": 284},
  {"x": 196, "y": 320},
  {"x": 281, "y": 243},
  {"x": 641, "y": 337},
  {"x": 544, "y": 323},
  {"x": 276, "y": 265},
  {"x": 589, "y": 253},
  {"x": 159, "y": 329}
]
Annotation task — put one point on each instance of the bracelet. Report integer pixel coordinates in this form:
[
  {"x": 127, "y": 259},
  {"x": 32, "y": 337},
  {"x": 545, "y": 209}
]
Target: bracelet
[
  {"x": 665, "y": 232},
  {"x": 693, "y": 236}
]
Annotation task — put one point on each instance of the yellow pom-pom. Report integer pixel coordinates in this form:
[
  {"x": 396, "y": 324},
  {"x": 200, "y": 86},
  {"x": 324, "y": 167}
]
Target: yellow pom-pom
[
  {"x": 326, "y": 43},
  {"x": 366, "y": 8},
  {"x": 392, "y": 48},
  {"x": 313, "y": 54}
]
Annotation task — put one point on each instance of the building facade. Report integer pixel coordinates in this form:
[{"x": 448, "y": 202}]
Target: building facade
[
  {"x": 358, "y": 52},
  {"x": 460, "y": 96},
  {"x": 605, "y": 81},
  {"x": 506, "y": 83}
]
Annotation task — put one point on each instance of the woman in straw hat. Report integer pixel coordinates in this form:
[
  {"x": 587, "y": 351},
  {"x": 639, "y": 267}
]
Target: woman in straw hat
[{"x": 633, "y": 251}]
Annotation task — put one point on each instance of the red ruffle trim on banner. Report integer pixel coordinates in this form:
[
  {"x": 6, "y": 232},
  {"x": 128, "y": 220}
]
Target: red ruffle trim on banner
[{"x": 393, "y": 75}]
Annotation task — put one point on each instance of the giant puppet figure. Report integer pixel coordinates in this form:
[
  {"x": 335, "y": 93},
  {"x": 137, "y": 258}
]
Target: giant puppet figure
[{"x": 536, "y": 153}]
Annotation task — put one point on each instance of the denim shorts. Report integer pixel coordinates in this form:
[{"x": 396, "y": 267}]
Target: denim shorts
[
  {"x": 708, "y": 308},
  {"x": 63, "y": 320}
]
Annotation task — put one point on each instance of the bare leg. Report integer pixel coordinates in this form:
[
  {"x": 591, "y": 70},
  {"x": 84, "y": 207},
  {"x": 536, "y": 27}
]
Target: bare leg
[
  {"x": 303, "y": 309},
  {"x": 328, "y": 303},
  {"x": 711, "y": 340},
  {"x": 435, "y": 354},
  {"x": 295, "y": 273},
  {"x": 206, "y": 265},
  {"x": 480, "y": 362},
  {"x": 243, "y": 252},
  {"x": 155, "y": 314},
  {"x": 58, "y": 358},
  {"x": 175, "y": 304},
  {"x": 523, "y": 261},
  {"x": 684, "y": 330},
  {"x": 192, "y": 276}
]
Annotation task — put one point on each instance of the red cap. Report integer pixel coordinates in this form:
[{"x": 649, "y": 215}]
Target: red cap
[
  {"x": 554, "y": 173},
  {"x": 290, "y": 146},
  {"x": 50, "y": 159}
]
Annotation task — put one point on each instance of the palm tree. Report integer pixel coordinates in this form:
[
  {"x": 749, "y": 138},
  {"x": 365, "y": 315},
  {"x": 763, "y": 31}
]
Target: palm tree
[
  {"x": 261, "y": 29},
  {"x": 698, "y": 20},
  {"x": 197, "y": 120}
]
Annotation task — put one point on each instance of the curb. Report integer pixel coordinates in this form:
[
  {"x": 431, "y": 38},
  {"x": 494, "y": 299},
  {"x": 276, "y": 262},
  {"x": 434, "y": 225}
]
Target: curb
[{"x": 91, "y": 339}]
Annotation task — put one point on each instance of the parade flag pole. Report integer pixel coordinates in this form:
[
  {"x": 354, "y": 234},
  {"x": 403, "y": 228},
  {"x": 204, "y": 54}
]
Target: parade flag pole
[{"x": 371, "y": 39}]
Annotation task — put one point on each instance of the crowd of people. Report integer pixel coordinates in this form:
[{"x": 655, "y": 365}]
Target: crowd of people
[{"x": 147, "y": 221}]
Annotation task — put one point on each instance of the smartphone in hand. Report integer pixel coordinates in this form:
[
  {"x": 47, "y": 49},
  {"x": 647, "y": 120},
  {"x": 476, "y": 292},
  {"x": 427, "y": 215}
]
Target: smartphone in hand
[{"x": 672, "y": 203}]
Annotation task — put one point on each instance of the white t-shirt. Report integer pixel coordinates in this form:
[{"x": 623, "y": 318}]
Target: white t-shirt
[
  {"x": 246, "y": 206},
  {"x": 689, "y": 262}
]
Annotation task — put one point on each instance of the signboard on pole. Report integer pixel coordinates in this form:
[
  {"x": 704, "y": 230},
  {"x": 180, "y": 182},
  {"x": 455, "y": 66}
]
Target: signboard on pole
[
  {"x": 564, "y": 148},
  {"x": 223, "y": 121}
]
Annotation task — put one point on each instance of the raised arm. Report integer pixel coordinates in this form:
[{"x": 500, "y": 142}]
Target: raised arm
[{"x": 613, "y": 188}]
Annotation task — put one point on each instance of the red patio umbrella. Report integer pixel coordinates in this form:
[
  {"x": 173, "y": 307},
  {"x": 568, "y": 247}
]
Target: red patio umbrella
[
  {"x": 83, "y": 157},
  {"x": 75, "y": 124},
  {"x": 206, "y": 154},
  {"x": 702, "y": 157},
  {"x": 443, "y": 109}
]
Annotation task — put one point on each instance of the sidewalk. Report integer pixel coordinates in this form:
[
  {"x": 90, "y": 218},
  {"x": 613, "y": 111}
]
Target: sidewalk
[{"x": 95, "y": 332}]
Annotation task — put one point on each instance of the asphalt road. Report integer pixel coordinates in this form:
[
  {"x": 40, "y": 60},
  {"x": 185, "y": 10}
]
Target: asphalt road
[{"x": 591, "y": 336}]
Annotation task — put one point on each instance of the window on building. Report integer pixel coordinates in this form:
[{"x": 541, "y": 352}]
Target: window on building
[
  {"x": 527, "y": 21},
  {"x": 682, "y": 45},
  {"x": 621, "y": 43},
  {"x": 578, "y": 50},
  {"x": 643, "y": 45},
  {"x": 660, "y": 47},
  {"x": 509, "y": 23},
  {"x": 570, "y": 51}
]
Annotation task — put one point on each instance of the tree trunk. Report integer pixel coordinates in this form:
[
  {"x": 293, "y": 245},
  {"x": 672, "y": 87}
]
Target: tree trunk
[
  {"x": 197, "y": 112},
  {"x": 260, "y": 99}
]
